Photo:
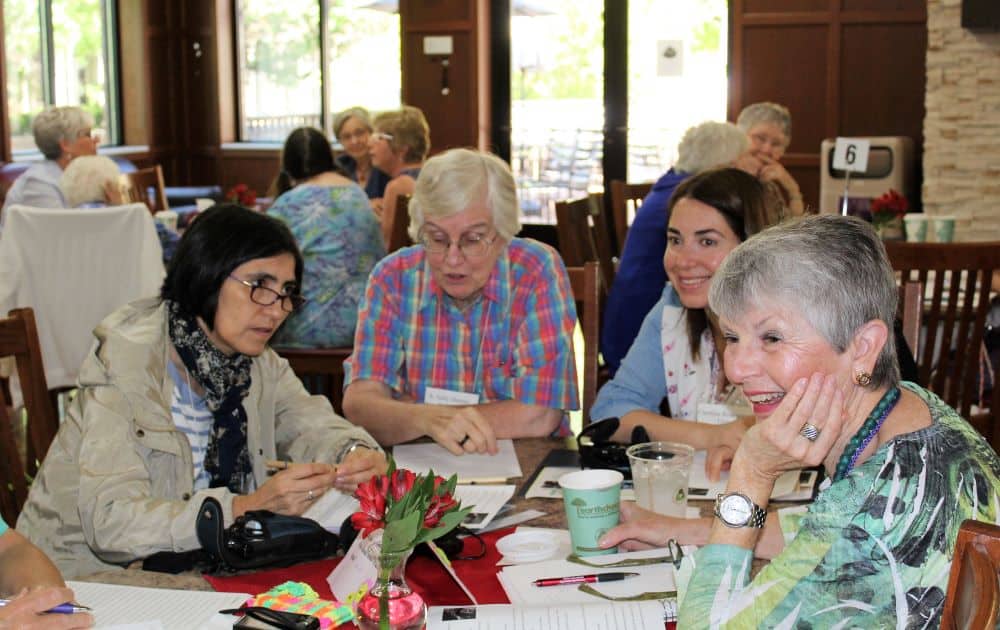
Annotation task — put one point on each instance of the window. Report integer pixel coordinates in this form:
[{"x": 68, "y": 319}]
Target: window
[
  {"x": 284, "y": 82},
  {"x": 57, "y": 53}
]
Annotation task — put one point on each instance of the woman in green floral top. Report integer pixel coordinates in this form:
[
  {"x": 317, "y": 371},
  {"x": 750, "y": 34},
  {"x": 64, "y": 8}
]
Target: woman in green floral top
[
  {"x": 804, "y": 308},
  {"x": 340, "y": 238}
]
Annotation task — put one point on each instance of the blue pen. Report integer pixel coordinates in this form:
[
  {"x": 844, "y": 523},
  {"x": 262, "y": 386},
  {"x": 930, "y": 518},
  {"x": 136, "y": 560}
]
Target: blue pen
[{"x": 66, "y": 609}]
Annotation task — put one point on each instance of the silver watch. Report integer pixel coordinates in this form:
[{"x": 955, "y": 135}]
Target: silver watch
[{"x": 735, "y": 509}]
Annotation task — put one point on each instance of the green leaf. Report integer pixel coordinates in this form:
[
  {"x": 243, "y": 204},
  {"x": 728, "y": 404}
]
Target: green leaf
[
  {"x": 401, "y": 534},
  {"x": 448, "y": 522}
]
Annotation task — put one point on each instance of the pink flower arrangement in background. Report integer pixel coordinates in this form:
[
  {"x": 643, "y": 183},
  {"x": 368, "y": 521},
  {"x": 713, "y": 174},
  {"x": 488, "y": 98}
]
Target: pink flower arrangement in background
[{"x": 890, "y": 206}]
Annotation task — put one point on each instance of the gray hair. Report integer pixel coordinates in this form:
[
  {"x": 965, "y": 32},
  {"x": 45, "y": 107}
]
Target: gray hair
[
  {"x": 709, "y": 145},
  {"x": 84, "y": 179},
  {"x": 351, "y": 112},
  {"x": 832, "y": 269},
  {"x": 59, "y": 123},
  {"x": 766, "y": 112},
  {"x": 452, "y": 181}
]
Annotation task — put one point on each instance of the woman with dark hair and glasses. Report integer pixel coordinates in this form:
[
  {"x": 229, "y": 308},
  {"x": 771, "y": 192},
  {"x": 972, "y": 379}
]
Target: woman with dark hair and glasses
[{"x": 182, "y": 400}]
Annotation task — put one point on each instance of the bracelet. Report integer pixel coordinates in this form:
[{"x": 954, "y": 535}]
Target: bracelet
[{"x": 344, "y": 452}]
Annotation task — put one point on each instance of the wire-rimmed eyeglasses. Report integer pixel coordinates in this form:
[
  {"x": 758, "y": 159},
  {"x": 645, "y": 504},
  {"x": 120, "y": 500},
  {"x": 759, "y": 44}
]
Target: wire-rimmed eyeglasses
[
  {"x": 381, "y": 135},
  {"x": 266, "y": 297},
  {"x": 471, "y": 244}
]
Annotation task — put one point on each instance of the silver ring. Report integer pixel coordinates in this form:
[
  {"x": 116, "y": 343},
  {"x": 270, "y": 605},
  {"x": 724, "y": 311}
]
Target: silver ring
[
  {"x": 310, "y": 496},
  {"x": 809, "y": 432}
]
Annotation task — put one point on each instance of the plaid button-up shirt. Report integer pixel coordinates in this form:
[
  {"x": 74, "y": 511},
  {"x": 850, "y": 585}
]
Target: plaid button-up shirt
[{"x": 516, "y": 343}]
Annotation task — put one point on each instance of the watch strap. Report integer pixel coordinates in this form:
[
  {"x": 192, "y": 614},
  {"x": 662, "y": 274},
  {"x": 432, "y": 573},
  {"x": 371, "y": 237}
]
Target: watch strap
[{"x": 758, "y": 515}]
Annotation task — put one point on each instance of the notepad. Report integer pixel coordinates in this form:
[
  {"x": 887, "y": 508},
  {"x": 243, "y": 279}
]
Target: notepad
[
  {"x": 606, "y": 616},
  {"x": 421, "y": 458},
  {"x": 132, "y": 607}
]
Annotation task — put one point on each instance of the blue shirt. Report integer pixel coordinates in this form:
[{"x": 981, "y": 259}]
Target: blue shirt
[
  {"x": 640, "y": 382},
  {"x": 37, "y": 187},
  {"x": 640, "y": 276},
  {"x": 377, "y": 180}
]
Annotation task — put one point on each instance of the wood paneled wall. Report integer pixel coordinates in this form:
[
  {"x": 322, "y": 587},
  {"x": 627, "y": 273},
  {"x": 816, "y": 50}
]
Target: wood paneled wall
[{"x": 843, "y": 68}]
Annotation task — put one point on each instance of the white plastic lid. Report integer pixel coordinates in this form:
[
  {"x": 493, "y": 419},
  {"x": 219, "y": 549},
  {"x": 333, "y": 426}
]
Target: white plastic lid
[{"x": 528, "y": 546}]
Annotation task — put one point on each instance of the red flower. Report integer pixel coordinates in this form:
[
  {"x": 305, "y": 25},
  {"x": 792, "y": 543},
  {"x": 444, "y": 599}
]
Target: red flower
[
  {"x": 889, "y": 206},
  {"x": 440, "y": 505},
  {"x": 402, "y": 482},
  {"x": 372, "y": 496},
  {"x": 243, "y": 195}
]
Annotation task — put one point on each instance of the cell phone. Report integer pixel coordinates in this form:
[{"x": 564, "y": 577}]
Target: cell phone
[{"x": 277, "y": 619}]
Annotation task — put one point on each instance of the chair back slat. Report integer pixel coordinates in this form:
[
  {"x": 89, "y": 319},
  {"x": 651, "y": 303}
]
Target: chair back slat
[
  {"x": 621, "y": 194},
  {"x": 19, "y": 338},
  {"x": 399, "y": 223},
  {"x": 140, "y": 182},
  {"x": 321, "y": 371},
  {"x": 956, "y": 279},
  {"x": 583, "y": 235},
  {"x": 585, "y": 281}
]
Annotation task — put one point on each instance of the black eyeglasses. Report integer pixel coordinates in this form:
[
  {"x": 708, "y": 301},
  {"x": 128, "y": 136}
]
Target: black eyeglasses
[
  {"x": 266, "y": 297},
  {"x": 472, "y": 245}
]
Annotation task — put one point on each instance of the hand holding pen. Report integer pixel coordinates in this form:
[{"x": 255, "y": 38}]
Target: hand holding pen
[
  {"x": 584, "y": 579},
  {"x": 33, "y": 610}
]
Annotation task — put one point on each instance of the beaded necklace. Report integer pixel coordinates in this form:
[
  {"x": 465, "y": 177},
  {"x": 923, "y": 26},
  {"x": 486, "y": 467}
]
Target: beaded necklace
[{"x": 866, "y": 433}]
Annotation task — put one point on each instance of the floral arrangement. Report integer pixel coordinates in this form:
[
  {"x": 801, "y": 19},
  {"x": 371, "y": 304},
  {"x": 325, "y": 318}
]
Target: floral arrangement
[
  {"x": 407, "y": 509},
  {"x": 888, "y": 208},
  {"x": 243, "y": 195}
]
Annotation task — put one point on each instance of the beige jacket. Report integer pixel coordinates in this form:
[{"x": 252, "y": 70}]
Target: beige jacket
[{"x": 117, "y": 483}]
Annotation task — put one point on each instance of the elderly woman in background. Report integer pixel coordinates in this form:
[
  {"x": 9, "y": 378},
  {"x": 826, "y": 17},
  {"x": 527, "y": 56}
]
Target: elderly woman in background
[
  {"x": 470, "y": 316},
  {"x": 769, "y": 128},
  {"x": 676, "y": 354},
  {"x": 398, "y": 146},
  {"x": 352, "y": 128},
  {"x": 640, "y": 277},
  {"x": 181, "y": 399},
  {"x": 339, "y": 237},
  {"x": 806, "y": 309},
  {"x": 93, "y": 181},
  {"x": 61, "y": 134}
]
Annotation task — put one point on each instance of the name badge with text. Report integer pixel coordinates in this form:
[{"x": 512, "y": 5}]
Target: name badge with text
[
  {"x": 719, "y": 413},
  {"x": 439, "y": 396}
]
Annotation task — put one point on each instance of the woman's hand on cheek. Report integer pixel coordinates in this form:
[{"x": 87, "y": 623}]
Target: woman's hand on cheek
[
  {"x": 358, "y": 467},
  {"x": 776, "y": 443}
]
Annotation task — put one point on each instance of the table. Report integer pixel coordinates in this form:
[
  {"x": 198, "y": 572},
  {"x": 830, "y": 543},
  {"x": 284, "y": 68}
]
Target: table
[{"x": 530, "y": 453}]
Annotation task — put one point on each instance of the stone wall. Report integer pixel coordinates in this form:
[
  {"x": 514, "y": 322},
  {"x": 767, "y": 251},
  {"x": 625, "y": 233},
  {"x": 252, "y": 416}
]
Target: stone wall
[{"x": 962, "y": 127}]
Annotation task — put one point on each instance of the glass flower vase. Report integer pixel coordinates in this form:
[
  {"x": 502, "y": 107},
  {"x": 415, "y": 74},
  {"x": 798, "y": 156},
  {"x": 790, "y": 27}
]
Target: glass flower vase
[{"x": 390, "y": 604}]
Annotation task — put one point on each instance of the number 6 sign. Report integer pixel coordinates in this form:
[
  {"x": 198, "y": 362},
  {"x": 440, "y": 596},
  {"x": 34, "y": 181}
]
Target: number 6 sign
[{"x": 851, "y": 154}]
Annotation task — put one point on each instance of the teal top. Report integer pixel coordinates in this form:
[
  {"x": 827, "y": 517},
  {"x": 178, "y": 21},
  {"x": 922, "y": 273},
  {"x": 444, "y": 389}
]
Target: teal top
[
  {"x": 341, "y": 240},
  {"x": 3, "y": 526},
  {"x": 873, "y": 551}
]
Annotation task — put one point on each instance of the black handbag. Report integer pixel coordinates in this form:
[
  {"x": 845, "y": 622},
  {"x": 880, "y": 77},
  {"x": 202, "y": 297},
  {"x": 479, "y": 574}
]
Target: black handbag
[
  {"x": 261, "y": 538},
  {"x": 598, "y": 451}
]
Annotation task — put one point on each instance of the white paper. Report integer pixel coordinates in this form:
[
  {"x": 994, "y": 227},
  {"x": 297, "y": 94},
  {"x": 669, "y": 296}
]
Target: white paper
[
  {"x": 607, "y": 616},
  {"x": 134, "y": 607},
  {"x": 486, "y": 501},
  {"x": 421, "y": 458},
  {"x": 510, "y": 520},
  {"x": 546, "y": 484},
  {"x": 517, "y": 579},
  {"x": 851, "y": 154},
  {"x": 353, "y": 576},
  {"x": 669, "y": 58},
  {"x": 699, "y": 487},
  {"x": 330, "y": 509}
]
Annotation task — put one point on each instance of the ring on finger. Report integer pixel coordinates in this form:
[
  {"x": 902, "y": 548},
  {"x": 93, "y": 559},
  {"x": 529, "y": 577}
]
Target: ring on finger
[
  {"x": 809, "y": 432},
  {"x": 463, "y": 440},
  {"x": 310, "y": 496}
]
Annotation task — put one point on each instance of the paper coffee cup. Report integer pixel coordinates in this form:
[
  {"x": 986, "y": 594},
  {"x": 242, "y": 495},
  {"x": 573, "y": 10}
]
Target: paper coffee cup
[
  {"x": 591, "y": 501},
  {"x": 916, "y": 228},
  {"x": 944, "y": 228}
]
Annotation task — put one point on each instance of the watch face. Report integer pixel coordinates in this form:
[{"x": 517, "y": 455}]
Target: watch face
[{"x": 735, "y": 509}]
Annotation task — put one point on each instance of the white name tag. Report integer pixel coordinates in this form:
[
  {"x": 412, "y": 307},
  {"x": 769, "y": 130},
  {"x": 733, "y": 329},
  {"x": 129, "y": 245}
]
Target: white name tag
[
  {"x": 720, "y": 413},
  {"x": 438, "y": 396}
]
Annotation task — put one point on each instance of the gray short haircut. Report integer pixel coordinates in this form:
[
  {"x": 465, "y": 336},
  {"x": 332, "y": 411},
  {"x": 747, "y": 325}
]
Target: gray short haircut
[
  {"x": 351, "y": 112},
  {"x": 451, "y": 181},
  {"x": 84, "y": 179},
  {"x": 833, "y": 270},
  {"x": 709, "y": 145},
  {"x": 59, "y": 123},
  {"x": 766, "y": 112}
]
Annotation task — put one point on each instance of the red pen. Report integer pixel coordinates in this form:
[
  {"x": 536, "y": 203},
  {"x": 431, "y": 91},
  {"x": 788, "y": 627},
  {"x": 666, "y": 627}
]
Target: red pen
[{"x": 583, "y": 579}]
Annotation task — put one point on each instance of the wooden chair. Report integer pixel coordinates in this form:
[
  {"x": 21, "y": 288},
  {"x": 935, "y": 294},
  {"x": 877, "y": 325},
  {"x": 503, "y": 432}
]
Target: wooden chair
[
  {"x": 139, "y": 183},
  {"x": 583, "y": 235},
  {"x": 588, "y": 293},
  {"x": 19, "y": 337},
  {"x": 621, "y": 195},
  {"x": 956, "y": 281},
  {"x": 911, "y": 312},
  {"x": 321, "y": 370},
  {"x": 399, "y": 223},
  {"x": 973, "y": 597}
]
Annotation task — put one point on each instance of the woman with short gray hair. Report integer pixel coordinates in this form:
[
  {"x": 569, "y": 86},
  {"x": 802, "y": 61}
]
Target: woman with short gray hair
[
  {"x": 470, "y": 315},
  {"x": 353, "y": 128},
  {"x": 806, "y": 309},
  {"x": 768, "y": 126},
  {"x": 61, "y": 134}
]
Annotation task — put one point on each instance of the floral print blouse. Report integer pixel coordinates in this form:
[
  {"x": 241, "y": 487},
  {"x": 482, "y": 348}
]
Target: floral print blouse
[
  {"x": 873, "y": 551},
  {"x": 341, "y": 240}
]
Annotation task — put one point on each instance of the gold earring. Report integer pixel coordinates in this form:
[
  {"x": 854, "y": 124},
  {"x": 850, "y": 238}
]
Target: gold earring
[{"x": 862, "y": 378}]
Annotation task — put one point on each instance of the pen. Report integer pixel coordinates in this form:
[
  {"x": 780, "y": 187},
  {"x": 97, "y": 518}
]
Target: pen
[
  {"x": 66, "y": 609},
  {"x": 278, "y": 464},
  {"x": 583, "y": 579},
  {"x": 482, "y": 481}
]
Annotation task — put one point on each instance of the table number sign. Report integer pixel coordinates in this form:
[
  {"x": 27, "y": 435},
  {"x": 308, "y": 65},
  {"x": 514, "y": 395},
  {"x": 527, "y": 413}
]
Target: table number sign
[{"x": 850, "y": 154}]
